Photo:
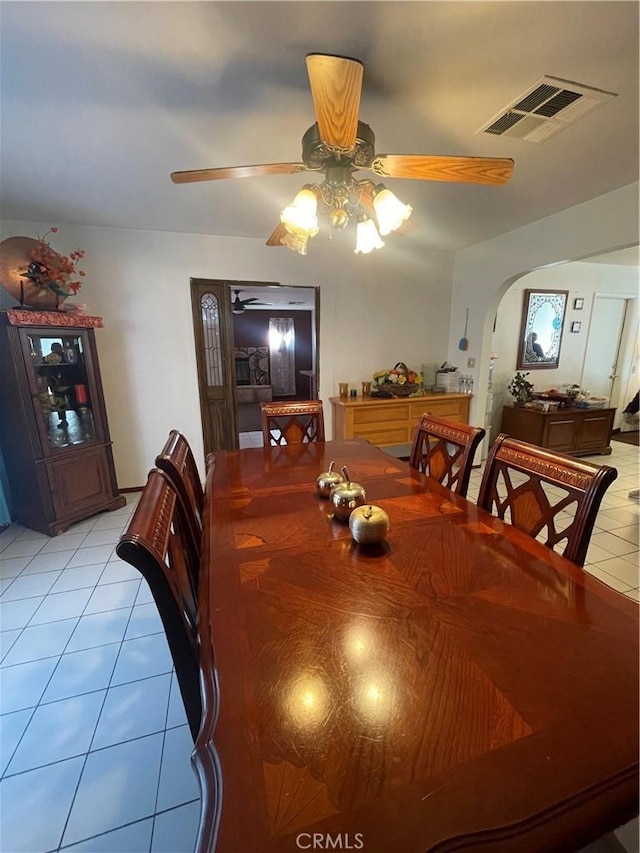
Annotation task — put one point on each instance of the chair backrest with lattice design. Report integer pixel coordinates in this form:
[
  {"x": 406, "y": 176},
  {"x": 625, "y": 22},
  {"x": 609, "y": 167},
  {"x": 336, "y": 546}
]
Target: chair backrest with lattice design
[
  {"x": 550, "y": 496},
  {"x": 297, "y": 422},
  {"x": 444, "y": 451},
  {"x": 177, "y": 461},
  {"x": 158, "y": 544}
]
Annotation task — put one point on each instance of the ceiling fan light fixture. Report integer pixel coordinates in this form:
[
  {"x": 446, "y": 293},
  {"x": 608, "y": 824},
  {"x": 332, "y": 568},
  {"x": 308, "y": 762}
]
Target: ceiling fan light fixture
[
  {"x": 300, "y": 217},
  {"x": 390, "y": 211},
  {"x": 367, "y": 237},
  {"x": 296, "y": 242}
]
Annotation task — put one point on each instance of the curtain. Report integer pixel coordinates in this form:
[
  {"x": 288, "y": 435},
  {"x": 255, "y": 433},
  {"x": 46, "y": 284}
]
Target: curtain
[
  {"x": 282, "y": 356},
  {"x": 5, "y": 513}
]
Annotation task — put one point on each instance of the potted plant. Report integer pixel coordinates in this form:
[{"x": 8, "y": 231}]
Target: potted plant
[{"x": 520, "y": 388}]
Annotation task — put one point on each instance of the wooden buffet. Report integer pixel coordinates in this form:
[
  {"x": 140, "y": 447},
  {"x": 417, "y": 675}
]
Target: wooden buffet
[
  {"x": 390, "y": 421},
  {"x": 577, "y": 432},
  {"x": 450, "y": 690}
]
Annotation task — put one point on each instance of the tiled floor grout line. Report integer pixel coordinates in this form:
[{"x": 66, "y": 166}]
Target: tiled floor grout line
[{"x": 88, "y": 752}]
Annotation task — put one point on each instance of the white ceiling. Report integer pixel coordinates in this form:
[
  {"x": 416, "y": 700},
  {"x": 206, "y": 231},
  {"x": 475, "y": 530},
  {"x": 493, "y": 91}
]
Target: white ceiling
[{"x": 101, "y": 101}]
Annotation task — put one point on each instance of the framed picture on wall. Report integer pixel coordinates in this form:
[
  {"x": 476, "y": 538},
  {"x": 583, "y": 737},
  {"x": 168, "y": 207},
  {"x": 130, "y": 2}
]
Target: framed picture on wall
[
  {"x": 576, "y": 326},
  {"x": 578, "y": 304}
]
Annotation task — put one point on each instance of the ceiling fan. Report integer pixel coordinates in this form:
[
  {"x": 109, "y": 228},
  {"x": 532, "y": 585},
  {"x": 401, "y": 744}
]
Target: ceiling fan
[
  {"x": 339, "y": 145},
  {"x": 239, "y": 306}
]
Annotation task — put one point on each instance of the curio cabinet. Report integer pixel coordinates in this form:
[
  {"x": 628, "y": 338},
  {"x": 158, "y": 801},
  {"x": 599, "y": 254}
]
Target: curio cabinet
[{"x": 53, "y": 422}]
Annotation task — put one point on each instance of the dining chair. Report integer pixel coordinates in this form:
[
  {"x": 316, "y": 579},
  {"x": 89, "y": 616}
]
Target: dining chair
[
  {"x": 157, "y": 543},
  {"x": 177, "y": 461},
  {"x": 444, "y": 451},
  {"x": 550, "y": 496},
  {"x": 296, "y": 422}
]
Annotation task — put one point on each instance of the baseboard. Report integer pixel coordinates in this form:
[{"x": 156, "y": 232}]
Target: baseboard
[{"x": 131, "y": 489}]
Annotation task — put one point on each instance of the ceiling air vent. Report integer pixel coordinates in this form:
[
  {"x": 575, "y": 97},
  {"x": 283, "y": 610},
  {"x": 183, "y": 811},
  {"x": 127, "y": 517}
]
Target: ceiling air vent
[{"x": 546, "y": 108}]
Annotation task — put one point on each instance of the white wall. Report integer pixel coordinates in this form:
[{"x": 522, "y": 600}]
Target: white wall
[
  {"x": 375, "y": 310},
  {"x": 580, "y": 279},
  {"x": 483, "y": 273}
]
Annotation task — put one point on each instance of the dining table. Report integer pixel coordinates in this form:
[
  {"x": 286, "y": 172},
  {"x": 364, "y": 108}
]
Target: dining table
[{"x": 458, "y": 686}]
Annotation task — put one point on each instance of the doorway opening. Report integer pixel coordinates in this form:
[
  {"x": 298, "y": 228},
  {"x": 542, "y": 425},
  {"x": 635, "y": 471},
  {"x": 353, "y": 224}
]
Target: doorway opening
[
  {"x": 275, "y": 339},
  {"x": 255, "y": 342}
]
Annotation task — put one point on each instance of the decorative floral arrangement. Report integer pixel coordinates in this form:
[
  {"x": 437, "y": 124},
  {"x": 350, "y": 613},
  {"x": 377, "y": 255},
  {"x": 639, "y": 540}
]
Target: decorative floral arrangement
[
  {"x": 520, "y": 388},
  {"x": 399, "y": 381},
  {"x": 51, "y": 271}
]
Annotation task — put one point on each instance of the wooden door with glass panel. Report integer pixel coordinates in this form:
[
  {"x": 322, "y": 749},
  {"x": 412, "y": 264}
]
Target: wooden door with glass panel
[{"x": 213, "y": 330}]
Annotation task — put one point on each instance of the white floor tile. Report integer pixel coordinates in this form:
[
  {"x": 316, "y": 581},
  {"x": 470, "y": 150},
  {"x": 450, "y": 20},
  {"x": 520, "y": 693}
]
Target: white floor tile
[
  {"x": 82, "y": 672},
  {"x": 22, "y": 686},
  {"x": 113, "y": 596},
  {"x": 595, "y": 554},
  {"x": 118, "y": 786},
  {"x": 178, "y": 782},
  {"x": 61, "y": 605},
  {"x": 12, "y": 727},
  {"x": 35, "y": 806},
  {"x": 622, "y": 570},
  {"x": 144, "y": 594},
  {"x": 82, "y": 578},
  {"x": 629, "y": 534},
  {"x": 22, "y": 548},
  {"x": 176, "y": 830},
  {"x": 28, "y": 586},
  {"x": 116, "y": 571},
  {"x": 605, "y": 577},
  {"x": 7, "y": 639},
  {"x": 11, "y": 568},
  {"x": 91, "y": 556},
  {"x": 32, "y": 534},
  {"x": 133, "y": 710},
  {"x": 145, "y": 620},
  {"x": 618, "y": 518},
  {"x": 633, "y": 593},
  {"x": 177, "y": 716},
  {"x": 58, "y": 731},
  {"x": 99, "y": 629},
  {"x": 16, "y": 614},
  {"x": 134, "y": 838},
  {"x": 143, "y": 657},
  {"x": 48, "y": 562},
  {"x": 612, "y": 543},
  {"x": 64, "y": 542},
  {"x": 109, "y": 522},
  {"x": 109, "y": 536},
  {"x": 40, "y": 641}
]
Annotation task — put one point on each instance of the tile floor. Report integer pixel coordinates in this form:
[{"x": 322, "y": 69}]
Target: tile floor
[{"x": 94, "y": 744}]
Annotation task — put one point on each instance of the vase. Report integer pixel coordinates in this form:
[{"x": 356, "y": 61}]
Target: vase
[{"x": 15, "y": 257}]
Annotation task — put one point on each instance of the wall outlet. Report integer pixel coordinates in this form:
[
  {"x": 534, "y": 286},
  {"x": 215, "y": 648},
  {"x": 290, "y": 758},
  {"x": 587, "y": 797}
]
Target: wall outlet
[{"x": 471, "y": 362}]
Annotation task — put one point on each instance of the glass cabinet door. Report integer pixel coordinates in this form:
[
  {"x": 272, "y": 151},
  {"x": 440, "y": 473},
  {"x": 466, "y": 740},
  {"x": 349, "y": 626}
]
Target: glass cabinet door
[{"x": 61, "y": 387}]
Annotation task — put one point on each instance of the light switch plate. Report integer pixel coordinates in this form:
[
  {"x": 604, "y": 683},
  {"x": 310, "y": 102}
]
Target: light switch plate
[{"x": 471, "y": 362}]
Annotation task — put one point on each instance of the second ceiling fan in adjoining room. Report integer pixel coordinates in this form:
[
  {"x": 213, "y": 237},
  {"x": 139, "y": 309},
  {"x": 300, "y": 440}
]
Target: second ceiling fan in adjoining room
[{"x": 337, "y": 146}]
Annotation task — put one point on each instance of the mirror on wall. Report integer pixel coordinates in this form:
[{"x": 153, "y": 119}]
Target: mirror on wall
[{"x": 541, "y": 328}]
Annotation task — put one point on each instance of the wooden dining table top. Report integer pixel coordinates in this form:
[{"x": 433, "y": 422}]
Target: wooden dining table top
[{"x": 458, "y": 687}]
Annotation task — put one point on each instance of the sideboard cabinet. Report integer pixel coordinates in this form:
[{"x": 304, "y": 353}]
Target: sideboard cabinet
[
  {"x": 53, "y": 429},
  {"x": 391, "y": 421},
  {"x": 577, "y": 432}
]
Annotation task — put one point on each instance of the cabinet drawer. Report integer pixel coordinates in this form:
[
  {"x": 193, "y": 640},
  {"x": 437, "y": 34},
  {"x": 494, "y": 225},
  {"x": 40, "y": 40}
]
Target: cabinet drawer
[
  {"x": 453, "y": 410},
  {"x": 381, "y": 414},
  {"x": 384, "y": 433}
]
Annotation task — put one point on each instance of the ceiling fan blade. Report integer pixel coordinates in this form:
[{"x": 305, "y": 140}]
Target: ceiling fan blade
[
  {"x": 336, "y": 85},
  {"x": 237, "y": 172},
  {"x": 472, "y": 170},
  {"x": 276, "y": 237}
]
